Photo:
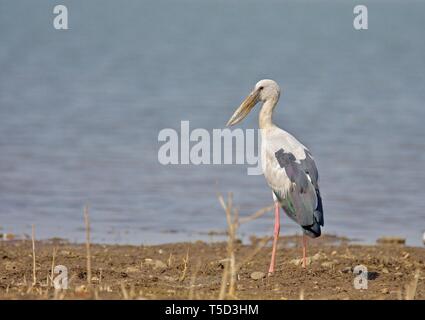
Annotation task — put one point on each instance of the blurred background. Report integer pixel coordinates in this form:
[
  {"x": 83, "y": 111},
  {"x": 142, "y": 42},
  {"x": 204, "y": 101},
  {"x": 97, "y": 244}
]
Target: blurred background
[{"x": 80, "y": 112}]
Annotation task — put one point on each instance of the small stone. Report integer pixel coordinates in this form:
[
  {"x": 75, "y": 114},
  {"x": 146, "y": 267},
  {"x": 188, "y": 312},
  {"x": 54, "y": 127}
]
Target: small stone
[
  {"x": 391, "y": 240},
  {"x": 160, "y": 265},
  {"x": 10, "y": 266},
  {"x": 257, "y": 275},
  {"x": 80, "y": 289},
  {"x": 171, "y": 279},
  {"x": 132, "y": 269},
  {"x": 327, "y": 264},
  {"x": 299, "y": 262},
  {"x": 317, "y": 256},
  {"x": 385, "y": 291},
  {"x": 156, "y": 264},
  {"x": 160, "y": 251},
  {"x": 385, "y": 270},
  {"x": 333, "y": 253}
]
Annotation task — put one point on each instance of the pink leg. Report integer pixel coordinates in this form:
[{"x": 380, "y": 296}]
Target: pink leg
[
  {"x": 304, "y": 251},
  {"x": 276, "y": 236}
]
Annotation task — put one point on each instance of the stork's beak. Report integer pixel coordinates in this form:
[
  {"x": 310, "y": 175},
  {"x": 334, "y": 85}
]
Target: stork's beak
[{"x": 244, "y": 108}]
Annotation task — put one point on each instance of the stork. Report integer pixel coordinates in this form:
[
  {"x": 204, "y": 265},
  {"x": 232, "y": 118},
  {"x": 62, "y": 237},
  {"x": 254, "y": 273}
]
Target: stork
[{"x": 288, "y": 167}]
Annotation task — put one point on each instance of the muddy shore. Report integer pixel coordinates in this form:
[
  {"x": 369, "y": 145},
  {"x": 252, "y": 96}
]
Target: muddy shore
[{"x": 194, "y": 270}]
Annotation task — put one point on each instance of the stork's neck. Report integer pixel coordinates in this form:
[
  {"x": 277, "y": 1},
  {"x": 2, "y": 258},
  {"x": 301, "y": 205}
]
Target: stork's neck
[{"x": 266, "y": 113}]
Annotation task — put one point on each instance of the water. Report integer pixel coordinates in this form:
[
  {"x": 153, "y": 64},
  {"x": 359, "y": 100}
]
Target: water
[{"x": 80, "y": 112}]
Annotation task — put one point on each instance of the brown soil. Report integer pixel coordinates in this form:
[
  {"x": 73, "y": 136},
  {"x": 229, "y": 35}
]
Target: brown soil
[{"x": 163, "y": 272}]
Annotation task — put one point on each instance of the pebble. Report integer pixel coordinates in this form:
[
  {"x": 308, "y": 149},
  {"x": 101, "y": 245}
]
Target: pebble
[
  {"x": 257, "y": 275},
  {"x": 10, "y": 266},
  {"x": 156, "y": 264},
  {"x": 80, "y": 289},
  {"x": 132, "y": 269},
  {"x": 318, "y": 256},
  {"x": 391, "y": 240},
  {"x": 160, "y": 265},
  {"x": 299, "y": 262},
  {"x": 328, "y": 264},
  {"x": 385, "y": 270},
  {"x": 171, "y": 279},
  {"x": 385, "y": 291}
]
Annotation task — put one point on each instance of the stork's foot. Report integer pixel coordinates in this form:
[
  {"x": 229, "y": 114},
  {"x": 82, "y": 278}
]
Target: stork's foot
[
  {"x": 304, "y": 262},
  {"x": 271, "y": 271}
]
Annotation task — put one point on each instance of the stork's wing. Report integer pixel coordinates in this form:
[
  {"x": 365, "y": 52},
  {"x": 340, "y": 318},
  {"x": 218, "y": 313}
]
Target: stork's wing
[{"x": 293, "y": 176}]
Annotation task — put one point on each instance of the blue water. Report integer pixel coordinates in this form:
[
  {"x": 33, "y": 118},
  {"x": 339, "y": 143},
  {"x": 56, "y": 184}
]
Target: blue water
[{"x": 80, "y": 112}]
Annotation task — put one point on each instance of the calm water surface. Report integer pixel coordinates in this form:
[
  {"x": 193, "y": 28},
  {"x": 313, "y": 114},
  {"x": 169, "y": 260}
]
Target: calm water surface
[{"x": 80, "y": 112}]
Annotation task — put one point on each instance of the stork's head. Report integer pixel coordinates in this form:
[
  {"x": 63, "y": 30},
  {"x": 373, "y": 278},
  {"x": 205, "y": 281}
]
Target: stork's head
[{"x": 264, "y": 90}]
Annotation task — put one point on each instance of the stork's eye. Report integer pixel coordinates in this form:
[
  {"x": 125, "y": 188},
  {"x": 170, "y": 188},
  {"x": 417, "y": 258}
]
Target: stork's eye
[{"x": 261, "y": 88}]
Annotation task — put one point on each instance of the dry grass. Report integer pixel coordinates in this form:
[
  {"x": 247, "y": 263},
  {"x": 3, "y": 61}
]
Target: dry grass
[
  {"x": 185, "y": 266},
  {"x": 52, "y": 270},
  {"x": 231, "y": 268},
  {"x": 87, "y": 224},
  {"x": 34, "y": 276},
  {"x": 412, "y": 286},
  {"x": 193, "y": 280}
]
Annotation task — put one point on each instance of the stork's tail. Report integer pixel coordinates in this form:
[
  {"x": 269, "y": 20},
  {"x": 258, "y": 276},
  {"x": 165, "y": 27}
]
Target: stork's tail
[{"x": 314, "y": 230}]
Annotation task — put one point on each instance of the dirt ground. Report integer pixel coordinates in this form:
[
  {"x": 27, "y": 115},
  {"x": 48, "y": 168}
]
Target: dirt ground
[{"x": 194, "y": 270}]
